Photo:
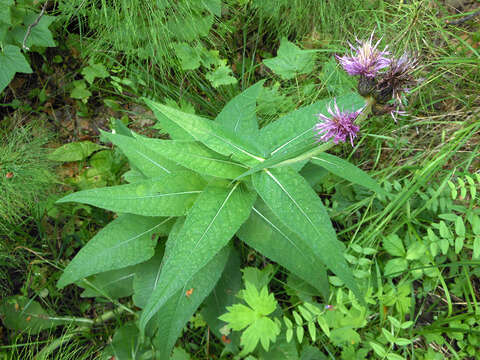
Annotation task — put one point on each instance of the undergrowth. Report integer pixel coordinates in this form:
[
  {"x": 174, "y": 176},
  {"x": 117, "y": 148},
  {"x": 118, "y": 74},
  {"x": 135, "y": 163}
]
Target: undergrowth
[
  {"x": 25, "y": 172},
  {"x": 417, "y": 249}
]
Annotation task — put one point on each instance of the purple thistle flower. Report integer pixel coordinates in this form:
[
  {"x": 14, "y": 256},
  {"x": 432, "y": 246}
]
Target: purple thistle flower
[
  {"x": 397, "y": 80},
  {"x": 366, "y": 61},
  {"x": 339, "y": 126}
]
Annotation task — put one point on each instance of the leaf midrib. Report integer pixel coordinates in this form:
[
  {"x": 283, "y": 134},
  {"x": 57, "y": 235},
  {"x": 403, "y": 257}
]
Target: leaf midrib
[
  {"x": 153, "y": 161},
  {"x": 152, "y": 196},
  {"x": 293, "y": 200}
]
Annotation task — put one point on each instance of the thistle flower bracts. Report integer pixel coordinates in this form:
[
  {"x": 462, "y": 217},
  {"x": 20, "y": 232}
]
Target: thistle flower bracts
[{"x": 397, "y": 80}]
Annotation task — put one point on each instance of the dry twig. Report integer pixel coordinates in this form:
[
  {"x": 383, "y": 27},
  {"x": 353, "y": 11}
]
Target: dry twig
[{"x": 32, "y": 25}]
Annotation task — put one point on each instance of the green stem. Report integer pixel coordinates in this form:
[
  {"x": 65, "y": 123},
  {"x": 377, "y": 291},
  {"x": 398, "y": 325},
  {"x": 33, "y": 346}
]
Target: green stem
[
  {"x": 305, "y": 156},
  {"x": 88, "y": 323}
]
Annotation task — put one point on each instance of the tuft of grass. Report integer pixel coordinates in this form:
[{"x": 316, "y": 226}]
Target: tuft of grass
[
  {"x": 25, "y": 172},
  {"x": 49, "y": 345}
]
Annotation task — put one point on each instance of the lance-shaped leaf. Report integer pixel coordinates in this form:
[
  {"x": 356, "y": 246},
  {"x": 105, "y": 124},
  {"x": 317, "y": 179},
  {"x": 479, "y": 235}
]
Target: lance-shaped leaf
[
  {"x": 239, "y": 114},
  {"x": 148, "y": 273},
  {"x": 196, "y": 156},
  {"x": 269, "y": 236},
  {"x": 215, "y": 136},
  {"x": 223, "y": 295},
  {"x": 126, "y": 241},
  {"x": 150, "y": 163},
  {"x": 113, "y": 284},
  {"x": 175, "y": 131},
  {"x": 297, "y": 127},
  {"x": 175, "y": 313},
  {"x": 295, "y": 204},
  {"x": 126, "y": 345},
  {"x": 169, "y": 195},
  {"x": 347, "y": 171},
  {"x": 210, "y": 224}
]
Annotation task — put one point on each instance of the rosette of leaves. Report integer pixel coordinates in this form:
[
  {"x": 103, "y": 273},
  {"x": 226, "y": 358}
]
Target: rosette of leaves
[
  {"x": 22, "y": 27},
  {"x": 25, "y": 173},
  {"x": 217, "y": 181}
]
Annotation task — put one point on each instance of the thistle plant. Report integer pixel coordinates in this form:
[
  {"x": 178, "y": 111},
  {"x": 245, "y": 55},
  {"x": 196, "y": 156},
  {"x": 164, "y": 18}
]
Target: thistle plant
[
  {"x": 384, "y": 80},
  {"x": 214, "y": 184}
]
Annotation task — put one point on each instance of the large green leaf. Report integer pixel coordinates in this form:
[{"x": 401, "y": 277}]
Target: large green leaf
[
  {"x": 40, "y": 35},
  {"x": 168, "y": 124},
  {"x": 195, "y": 156},
  {"x": 5, "y": 15},
  {"x": 150, "y": 163},
  {"x": 75, "y": 151},
  {"x": 169, "y": 195},
  {"x": 215, "y": 136},
  {"x": 126, "y": 241},
  {"x": 146, "y": 277},
  {"x": 297, "y": 127},
  {"x": 295, "y": 203},
  {"x": 126, "y": 345},
  {"x": 113, "y": 284},
  {"x": 175, "y": 313},
  {"x": 11, "y": 62},
  {"x": 223, "y": 295},
  {"x": 346, "y": 170},
  {"x": 269, "y": 236},
  {"x": 239, "y": 114},
  {"x": 210, "y": 224}
]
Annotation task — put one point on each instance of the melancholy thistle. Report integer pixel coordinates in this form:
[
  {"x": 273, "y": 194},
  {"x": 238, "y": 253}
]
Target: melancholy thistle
[
  {"x": 397, "y": 80},
  {"x": 385, "y": 81},
  {"x": 366, "y": 61},
  {"x": 339, "y": 126}
]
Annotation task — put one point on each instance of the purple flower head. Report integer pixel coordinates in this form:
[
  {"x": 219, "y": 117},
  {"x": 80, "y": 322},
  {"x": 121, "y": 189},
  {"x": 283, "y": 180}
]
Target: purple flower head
[
  {"x": 339, "y": 126},
  {"x": 366, "y": 60},
  {"x": 397, "y": 80}
]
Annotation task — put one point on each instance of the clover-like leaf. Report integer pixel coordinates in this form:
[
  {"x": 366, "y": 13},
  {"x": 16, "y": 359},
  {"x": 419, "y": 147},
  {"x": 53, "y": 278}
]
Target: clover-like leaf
[
  {"x": 263, "y": 302},
  {"x": 93, "y": 71},
  {"x": 254, "y": 318},
  {"x": 189, "y": 57},
  {"x": 394, "y": 245},
  {"x": 221, "y": 75}
]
